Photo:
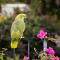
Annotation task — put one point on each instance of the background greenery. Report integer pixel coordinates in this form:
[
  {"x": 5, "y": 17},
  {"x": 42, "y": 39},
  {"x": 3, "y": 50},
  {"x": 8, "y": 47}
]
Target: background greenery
[{"x": 43, "y": 12}]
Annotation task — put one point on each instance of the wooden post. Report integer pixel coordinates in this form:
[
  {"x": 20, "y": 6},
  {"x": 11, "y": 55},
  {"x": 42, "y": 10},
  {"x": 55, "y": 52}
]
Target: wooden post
[
  {"x": 44, "y": 45},
  {"x": 28, "y": 47},
  {"x": 14, "y": 55}
]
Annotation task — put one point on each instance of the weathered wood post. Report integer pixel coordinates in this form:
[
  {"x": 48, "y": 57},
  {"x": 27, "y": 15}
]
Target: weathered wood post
[
  {"x": 28, "y": 47},
  {"x": 44, "y": 45},
  {"x": 14, "y": 55},
  {"x": 28, "y": 43}
]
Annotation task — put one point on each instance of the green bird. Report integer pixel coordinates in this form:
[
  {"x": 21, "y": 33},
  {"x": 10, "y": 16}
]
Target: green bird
[{"x": 17, "y": 29}]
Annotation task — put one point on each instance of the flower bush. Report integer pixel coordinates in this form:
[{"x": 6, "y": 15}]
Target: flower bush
[{"x": 49, "y": 54}]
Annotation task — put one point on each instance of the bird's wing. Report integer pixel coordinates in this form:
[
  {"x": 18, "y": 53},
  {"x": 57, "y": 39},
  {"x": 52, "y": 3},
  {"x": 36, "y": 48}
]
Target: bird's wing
[{"x": 17, "y": 29}]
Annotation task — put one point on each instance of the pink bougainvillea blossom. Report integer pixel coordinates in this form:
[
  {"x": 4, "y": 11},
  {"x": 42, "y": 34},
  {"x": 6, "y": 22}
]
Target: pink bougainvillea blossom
[
  {"x": 50, "y": 51},
  {"x": 56, "y": 58},
  {"x": 47, "y": 50},
  {"x": 41, "y": 34},
  {"x": 26, "y": 58}
]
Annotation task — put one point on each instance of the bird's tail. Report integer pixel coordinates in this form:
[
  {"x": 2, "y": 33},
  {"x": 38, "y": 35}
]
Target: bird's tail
[{"x": 14, "y": 43}]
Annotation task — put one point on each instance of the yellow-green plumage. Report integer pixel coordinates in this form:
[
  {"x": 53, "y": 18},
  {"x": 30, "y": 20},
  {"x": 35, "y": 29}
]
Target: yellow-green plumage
[{"x": 17, "y": 29}]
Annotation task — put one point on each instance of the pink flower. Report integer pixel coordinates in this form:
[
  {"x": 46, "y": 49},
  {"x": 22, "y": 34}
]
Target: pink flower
[
  {"x": 50, "y": 48},
  {"x": 56, "y": 58},
  {"x": 26, "y": 58},
  {"x": 47, "y": 50},
  {"x": 41, "y": 34},
  {"x": 50, "y": 51}
]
